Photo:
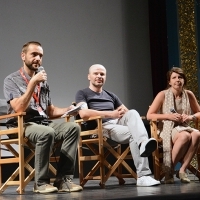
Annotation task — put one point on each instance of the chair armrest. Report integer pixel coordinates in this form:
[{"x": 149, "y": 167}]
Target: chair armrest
[
  {"x": 97, "y": 117},
  {"x": 154, "y": 120},
  {"x": 153, "y": 126},
  {"x": 88, "y": 119},
  {"x": 12, "y": 115}
]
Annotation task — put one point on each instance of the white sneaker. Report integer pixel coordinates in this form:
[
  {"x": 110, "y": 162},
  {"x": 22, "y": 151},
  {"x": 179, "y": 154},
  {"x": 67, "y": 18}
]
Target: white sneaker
[
  {"x": 67, "y": 185},
  {"x": 46, "y": 188},
  {"x": 147, "y": 147},
  {"x": 146, "y": 181}
]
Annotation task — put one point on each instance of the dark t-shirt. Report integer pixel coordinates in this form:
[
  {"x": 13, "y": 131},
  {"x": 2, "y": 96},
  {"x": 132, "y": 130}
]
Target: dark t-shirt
[{"x": 98, "y": 101}]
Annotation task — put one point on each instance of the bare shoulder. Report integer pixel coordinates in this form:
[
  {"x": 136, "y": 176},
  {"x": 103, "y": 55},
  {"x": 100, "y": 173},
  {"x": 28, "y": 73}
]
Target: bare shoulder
[
  {"x": 161, "y": 95},
  {"x": 159, "y": 98},
  {"x": 190, "y": 93}
]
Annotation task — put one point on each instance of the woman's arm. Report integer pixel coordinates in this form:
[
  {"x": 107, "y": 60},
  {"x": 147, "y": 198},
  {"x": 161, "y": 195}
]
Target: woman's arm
[
  {"x": 194, "y": 105},
  {"x": 155, "y": 107}
]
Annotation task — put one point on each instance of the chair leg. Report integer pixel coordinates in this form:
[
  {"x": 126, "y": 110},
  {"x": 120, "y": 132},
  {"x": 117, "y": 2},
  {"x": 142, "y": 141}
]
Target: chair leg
[
  {"x": 120, "y": 160},
  {"x": 119, "y": 169},
  {"x": 198, "y": 159},
  {"x": 22, "y": 182},
  {"x": 1, "y": 176},
  {"x": 196, "y": 171}
]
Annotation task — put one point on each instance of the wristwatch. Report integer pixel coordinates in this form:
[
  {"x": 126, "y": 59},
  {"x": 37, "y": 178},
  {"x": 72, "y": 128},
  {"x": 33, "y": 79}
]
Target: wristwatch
[{"x": 194, "y": 117}]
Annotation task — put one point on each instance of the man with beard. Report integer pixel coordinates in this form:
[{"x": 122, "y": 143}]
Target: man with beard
[
  {"x": 119, "y": 123},
  {"x": 27, "y": 90}
]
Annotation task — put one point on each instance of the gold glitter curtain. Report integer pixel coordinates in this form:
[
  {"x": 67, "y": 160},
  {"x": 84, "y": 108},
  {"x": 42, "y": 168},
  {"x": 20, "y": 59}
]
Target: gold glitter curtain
[
  {"x": 188, "y": 43},
  {"x": 188, "y": 46}
]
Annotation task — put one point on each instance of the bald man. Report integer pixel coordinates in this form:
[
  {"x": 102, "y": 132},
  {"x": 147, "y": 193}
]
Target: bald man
[{"x": 119, "y": 123}]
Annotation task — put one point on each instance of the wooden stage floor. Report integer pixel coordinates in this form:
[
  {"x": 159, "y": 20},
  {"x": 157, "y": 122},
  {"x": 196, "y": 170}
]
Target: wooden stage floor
[{"x": 114, "y": 191}]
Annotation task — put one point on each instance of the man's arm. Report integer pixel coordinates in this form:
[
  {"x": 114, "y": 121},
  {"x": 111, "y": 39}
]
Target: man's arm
[
  {"x": 123, "y": 107},
  {"x": 86, "y": 113},
  {"x": 21, "y": 104},
  {"x": 55, "y": 112}
]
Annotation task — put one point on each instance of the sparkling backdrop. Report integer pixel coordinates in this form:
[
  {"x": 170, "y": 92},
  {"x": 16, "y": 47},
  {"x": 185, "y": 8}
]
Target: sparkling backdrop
[{"x": 188, "y": 46}]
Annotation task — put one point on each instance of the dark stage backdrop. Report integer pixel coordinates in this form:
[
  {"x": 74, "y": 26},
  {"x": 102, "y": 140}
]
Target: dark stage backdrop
[{"x": 158, "y": 44}]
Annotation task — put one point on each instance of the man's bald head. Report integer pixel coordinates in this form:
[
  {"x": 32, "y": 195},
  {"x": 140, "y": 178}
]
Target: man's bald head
[
  {"x": 95, "y": 67},
  {"x": 97, "y": 77}
]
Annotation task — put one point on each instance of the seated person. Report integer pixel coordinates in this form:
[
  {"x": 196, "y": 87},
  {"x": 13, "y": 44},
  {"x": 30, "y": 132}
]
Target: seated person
[
  {"x": 27, "y": 90},
  {"x": 173, "y": 108},
  {"x": 119, "y": 123}
]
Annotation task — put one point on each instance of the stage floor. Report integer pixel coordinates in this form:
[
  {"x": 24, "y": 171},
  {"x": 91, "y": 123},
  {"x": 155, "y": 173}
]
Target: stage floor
[{"x": 114, "y": 191}]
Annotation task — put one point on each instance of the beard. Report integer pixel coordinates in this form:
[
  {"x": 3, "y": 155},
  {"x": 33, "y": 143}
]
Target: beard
[
  {"x": 97, "y": 85},
  {"x": 31, "y": 67}
]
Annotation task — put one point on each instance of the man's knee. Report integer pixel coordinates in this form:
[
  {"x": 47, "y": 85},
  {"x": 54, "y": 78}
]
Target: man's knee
[
  {"x": 76, "y": 128},
  {"x": 36, "y": 133},
  {"x": 132, "y": 112},
  {"x": 48, "y": 133},
  {"x": 73, "y": 128}
]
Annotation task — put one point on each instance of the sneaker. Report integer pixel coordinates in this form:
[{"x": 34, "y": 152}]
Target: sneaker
[
  {"x": 146, "y": 181},
  {"x": 147, "y": 147},
  {"x": 67, "y": 185},
  {"x": 46, "y": 188}
]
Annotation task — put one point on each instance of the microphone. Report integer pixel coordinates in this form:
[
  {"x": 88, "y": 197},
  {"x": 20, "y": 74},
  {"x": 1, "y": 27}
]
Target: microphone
[
  {"x": 174, "y": 111},
  {"x": 40, "y": 68}
]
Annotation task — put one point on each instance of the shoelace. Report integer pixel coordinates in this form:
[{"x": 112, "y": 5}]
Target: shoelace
[{"x": 68, "y": 180}]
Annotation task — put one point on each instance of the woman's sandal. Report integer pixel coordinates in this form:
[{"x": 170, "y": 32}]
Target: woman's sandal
[{"x": 183, "y": 177}]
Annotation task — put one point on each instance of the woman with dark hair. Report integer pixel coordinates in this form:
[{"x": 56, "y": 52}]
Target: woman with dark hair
[{"x": 175, "y": 108}]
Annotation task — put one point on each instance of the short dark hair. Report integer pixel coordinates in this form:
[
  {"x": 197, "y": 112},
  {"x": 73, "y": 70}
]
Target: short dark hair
[
  {"x": 179, "y": 71},
  {"x": 25, "y": 46}
]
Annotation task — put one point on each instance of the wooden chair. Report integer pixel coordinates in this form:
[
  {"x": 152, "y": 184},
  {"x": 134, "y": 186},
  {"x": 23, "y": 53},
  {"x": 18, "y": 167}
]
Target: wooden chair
[
  {"x": 19, "y": 177},
  {"x": 18, "y": 155},
  {"x": 158, "y": 153},
  {"x": 95, "y": 148}
]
